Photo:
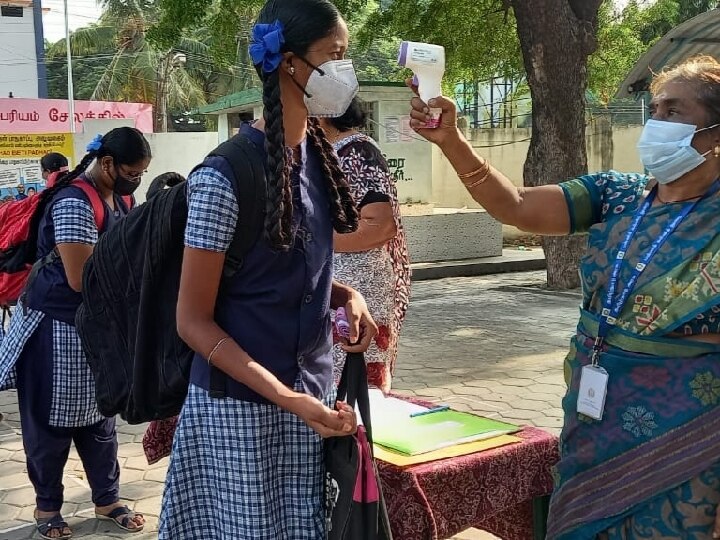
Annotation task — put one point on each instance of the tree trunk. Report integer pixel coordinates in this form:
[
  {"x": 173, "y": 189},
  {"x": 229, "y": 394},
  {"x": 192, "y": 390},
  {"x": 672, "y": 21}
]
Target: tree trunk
[{"x": 556, "y": 38}]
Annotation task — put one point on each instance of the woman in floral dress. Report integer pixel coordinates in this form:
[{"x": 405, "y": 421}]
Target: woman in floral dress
[{"x": 374, "y": 259}]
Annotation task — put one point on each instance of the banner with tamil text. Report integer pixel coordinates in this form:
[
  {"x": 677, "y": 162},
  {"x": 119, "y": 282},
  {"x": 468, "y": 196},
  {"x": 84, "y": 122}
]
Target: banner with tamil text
[{"x": 19, "y": 115}]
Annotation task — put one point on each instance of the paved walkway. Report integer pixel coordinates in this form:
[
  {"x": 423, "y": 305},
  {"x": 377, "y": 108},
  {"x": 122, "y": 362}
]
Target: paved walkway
[{"x": 491, "y": 344}]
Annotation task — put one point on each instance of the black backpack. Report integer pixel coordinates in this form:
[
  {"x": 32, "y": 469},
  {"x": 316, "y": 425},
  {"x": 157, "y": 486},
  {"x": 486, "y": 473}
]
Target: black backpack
[
  {"x": 354, "y": 502},
  {"x": 127, "y": 322}
]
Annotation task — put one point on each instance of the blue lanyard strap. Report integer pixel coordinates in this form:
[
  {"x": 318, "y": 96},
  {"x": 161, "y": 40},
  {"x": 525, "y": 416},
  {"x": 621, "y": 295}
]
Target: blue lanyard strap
[{"x": 613, "y": 306}]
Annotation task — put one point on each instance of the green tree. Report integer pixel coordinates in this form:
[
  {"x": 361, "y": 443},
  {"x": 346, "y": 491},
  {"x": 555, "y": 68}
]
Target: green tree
[
  {"x": 479, "y": 35},
  {"x": 623, "y": 37},
  {"x": 229, "y": 23},
  {"x": 619, "y": 47},
  {"x": 174, "y": 79}
]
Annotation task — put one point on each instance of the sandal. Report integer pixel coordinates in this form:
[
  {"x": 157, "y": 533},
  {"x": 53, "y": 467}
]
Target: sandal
[
  {"x": 122, "y": 516},
  {"x": 55, "y": 523}
]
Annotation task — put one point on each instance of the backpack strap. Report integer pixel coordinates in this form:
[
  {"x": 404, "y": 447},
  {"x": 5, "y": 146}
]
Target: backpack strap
[
  {"x": 129, "y": 201},
  {"x": 99, "y": 214},
  {"x": 249, "y": 184},
  {"x": 48, "y": 259},
  {"x": 95, "y": 201},
  {"x": 97, "y": 204},
  {"x": 244, "y": 158}
]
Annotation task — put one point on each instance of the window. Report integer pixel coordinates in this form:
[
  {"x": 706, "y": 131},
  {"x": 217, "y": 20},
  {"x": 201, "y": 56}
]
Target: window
[
  {"x": 370, "y": 128},
  {"x": 11, "y": 11}
]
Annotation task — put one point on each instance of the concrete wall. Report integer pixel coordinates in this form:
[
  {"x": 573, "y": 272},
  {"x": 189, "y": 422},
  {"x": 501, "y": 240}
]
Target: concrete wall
[
  {"x": 452, "y": 236},
  {"x": 18, "y": 62},
  {"x": 411, "y": 166},
  {"x": 178, "y": 152}
]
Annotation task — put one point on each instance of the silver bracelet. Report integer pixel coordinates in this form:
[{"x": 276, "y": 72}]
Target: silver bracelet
[{"x": 215, "y": 349}]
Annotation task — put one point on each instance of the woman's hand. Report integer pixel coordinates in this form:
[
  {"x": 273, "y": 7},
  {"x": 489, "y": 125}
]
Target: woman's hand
[
  {"x": 716, "y": 528},
  {"x": 362, "y": 326},
  {"x": 322, "y": 419},
  {"x": 447, "y": 131}
]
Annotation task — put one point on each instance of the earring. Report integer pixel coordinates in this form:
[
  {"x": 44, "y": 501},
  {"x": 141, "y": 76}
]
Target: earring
[
  {"x": 291, "y": 70},
  {"x": 716, "y": 150}
]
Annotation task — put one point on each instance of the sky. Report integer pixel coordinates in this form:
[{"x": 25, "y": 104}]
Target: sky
[{"x": 82, "y": 13}]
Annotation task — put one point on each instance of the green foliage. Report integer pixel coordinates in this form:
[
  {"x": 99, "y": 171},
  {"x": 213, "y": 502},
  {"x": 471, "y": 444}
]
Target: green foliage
[
  {"x": 479, "y": 36},
  {"x": 619, "y": 47},
  {"x": 228, "y": 23},
  {"x": 625, "y": 36},
  {"x": 113, "y": 60},
  {"x": 87, "y": 71},
  {"x": 375, "y": 59}
]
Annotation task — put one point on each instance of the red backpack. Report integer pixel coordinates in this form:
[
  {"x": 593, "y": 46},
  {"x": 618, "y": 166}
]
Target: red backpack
[{"x": 15, "y": 218}]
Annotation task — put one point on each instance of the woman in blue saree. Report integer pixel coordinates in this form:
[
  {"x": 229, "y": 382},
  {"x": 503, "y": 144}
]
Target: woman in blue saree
[{"x": 640, "y": 446}]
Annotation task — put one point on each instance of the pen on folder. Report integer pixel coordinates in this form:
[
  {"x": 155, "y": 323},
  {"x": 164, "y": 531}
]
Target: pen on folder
[{"x": 430, "y": 411}]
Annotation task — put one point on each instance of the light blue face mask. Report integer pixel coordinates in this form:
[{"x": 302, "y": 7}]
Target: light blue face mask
[{"x": 666, "y": 149}]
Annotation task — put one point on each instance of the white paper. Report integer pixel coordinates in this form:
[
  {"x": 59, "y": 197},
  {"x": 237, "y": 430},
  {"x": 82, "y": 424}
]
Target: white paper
[{"x": 385, "y": 408}]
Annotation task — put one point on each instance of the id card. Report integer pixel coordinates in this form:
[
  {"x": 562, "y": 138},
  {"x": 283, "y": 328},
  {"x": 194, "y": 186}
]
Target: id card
[{"x": 593, "y": 389}]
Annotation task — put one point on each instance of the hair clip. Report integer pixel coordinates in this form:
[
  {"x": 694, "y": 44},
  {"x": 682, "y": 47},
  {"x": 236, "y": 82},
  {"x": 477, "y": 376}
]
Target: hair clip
[
  {"x": 96, "y": 144},
  {"x": 267, "y": 40}
]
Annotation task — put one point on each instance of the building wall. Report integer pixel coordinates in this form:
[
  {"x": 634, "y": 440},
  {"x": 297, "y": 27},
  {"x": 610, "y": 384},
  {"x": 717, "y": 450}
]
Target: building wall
[
  {"x": 391, "y": 108},
  {"x": 177, "y": 152},
  {"x": 411, "y": 165},
  {"x": 18, "y": 61}
]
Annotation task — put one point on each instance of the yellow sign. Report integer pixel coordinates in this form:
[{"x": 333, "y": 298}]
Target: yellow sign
[
  {"x": 24, "y": 146},
  {"x": 20, "y": 158}
]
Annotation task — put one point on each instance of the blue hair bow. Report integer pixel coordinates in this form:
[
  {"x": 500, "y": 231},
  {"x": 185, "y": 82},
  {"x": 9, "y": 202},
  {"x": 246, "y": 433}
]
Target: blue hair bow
[
  {"x": 96, "y": 144},
  {"x": 267, "y": 40}
]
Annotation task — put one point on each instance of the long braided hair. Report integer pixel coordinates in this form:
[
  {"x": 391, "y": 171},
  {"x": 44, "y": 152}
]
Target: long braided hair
[
  {"x": 125, "y": 145},
  {"x": 304, "y": 22}
]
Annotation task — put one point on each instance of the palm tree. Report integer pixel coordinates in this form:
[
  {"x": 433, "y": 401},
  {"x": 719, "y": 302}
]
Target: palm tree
[{"x": 178, "y": 78}]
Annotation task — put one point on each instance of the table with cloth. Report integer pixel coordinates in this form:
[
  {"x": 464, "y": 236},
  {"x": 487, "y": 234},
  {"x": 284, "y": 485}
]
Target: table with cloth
[{"x": 503, "y": 491}]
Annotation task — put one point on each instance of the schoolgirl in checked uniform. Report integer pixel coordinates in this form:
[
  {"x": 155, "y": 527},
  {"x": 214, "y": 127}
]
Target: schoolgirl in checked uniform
[
  {"x": 249, "y": 466},
  {"x": 41, "y": 354}
]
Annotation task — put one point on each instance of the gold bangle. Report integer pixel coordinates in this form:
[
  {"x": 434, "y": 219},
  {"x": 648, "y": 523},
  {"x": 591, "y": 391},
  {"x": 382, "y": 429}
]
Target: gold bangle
[
  {"x": 215, "y": 349},
  {"x": 477, "y": 182},
  {"x": 483, "y": 168}
]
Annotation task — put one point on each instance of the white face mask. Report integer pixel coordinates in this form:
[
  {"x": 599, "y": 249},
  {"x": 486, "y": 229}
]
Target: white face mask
[
  {"x": 666, "y": 150},
  {"x": 330, "y": 89}
]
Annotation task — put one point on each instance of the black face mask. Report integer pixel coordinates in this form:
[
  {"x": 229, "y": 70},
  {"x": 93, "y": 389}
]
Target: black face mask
[{"x": 125, "y": 186}]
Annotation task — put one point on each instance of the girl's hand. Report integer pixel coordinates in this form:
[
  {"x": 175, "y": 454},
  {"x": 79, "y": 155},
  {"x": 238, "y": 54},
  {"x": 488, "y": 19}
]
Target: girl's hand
[
  {"x": 362, "y": 326},
  {"x": 322, "y": 419}
]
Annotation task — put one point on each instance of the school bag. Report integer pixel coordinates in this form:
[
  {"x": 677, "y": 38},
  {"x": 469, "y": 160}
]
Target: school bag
[
  {"x": 127, "y": 322},
  {"x": 17, "y": 255},
  {"x": 354, "y": 503}
]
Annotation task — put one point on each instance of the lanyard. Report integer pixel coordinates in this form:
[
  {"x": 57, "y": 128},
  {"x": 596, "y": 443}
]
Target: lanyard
[{"x": 613, "y": 306}]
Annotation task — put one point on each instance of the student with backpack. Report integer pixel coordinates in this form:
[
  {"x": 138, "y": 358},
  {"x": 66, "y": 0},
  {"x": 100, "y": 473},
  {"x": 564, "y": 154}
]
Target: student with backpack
[
  {"x": 42, "y": 356},
  {"x": 52, "y": 165},
  {"x": 249, "y": 465}
]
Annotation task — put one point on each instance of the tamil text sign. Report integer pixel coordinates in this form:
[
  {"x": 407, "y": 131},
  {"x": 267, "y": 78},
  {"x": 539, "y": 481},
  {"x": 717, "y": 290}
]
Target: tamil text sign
[{"x": 51, "y": 115}]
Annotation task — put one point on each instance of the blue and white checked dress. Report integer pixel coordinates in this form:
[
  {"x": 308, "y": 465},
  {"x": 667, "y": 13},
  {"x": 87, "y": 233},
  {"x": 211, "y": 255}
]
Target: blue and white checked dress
[
  {"x": 73, "y": 402},
  {"x": 238, "y": 470}
]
